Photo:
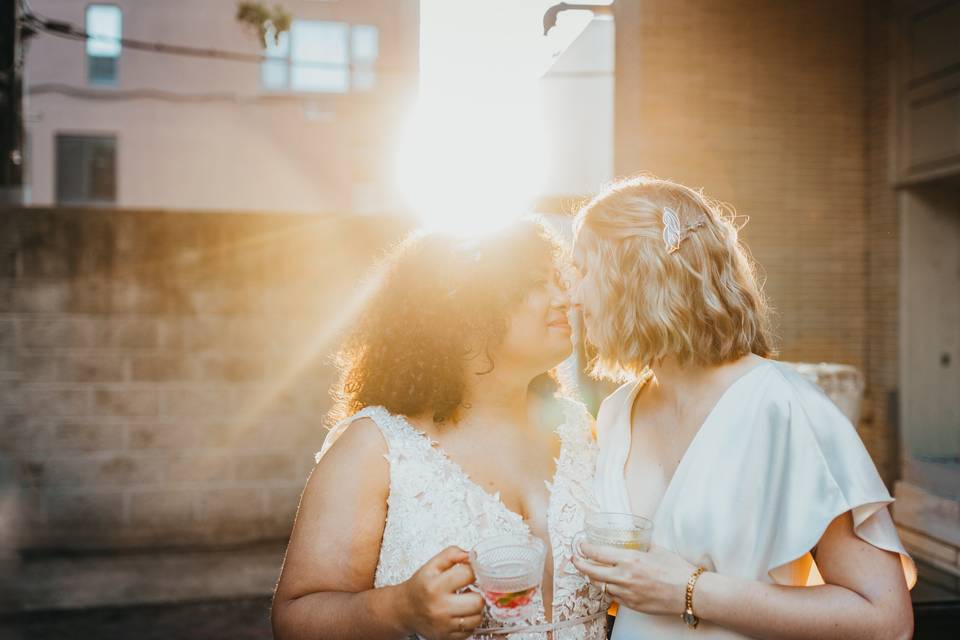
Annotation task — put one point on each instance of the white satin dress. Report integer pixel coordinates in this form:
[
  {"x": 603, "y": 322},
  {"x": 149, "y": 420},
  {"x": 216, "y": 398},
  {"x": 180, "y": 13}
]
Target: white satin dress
[{"x": 772, "y": 465}]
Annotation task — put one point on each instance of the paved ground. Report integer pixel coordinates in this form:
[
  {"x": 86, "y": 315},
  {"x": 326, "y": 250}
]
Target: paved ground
[
  {"x": 937, "y": 616},
  {"x": 247, "y": 619}
]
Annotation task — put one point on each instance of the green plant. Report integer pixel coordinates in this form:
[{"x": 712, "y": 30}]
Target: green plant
[{"x": 263, "y": 21}]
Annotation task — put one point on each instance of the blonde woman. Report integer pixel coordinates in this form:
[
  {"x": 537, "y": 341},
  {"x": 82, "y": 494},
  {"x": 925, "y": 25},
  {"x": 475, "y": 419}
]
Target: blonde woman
[{"x": 770, "y": 519}]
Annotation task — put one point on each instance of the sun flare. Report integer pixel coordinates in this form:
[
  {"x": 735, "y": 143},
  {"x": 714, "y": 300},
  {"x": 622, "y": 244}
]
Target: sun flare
[
  {"x": 474, "y": 155},
  {"x": 469, "y": 165}
]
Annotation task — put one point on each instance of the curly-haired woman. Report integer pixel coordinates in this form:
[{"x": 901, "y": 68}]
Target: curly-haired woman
[
  {"x": 770, "y": 519},
  {"x": 435, "y": 449}
]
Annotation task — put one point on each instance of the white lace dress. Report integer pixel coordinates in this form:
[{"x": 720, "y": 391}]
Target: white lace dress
[{"x": 433, "y": 504}]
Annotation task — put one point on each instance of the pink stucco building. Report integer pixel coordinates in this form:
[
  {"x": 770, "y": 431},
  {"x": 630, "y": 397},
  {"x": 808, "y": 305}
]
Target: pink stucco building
[{"x": 312, "y": 131}]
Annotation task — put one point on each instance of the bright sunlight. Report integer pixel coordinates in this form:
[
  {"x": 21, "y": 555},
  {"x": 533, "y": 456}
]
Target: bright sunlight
[{"x": 474, "y": 151}]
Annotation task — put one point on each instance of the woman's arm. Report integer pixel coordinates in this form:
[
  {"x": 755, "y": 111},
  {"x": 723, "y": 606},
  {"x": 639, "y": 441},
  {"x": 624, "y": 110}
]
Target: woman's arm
[
  {"x": 326, "y": 584},
  {"x": 865, "y": 595}
]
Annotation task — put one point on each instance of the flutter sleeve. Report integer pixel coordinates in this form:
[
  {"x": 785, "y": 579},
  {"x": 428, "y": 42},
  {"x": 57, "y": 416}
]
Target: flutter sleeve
[{"x": 826, "y": 472}]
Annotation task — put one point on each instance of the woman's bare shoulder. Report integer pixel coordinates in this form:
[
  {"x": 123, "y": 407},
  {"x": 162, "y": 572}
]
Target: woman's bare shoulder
[{"x": 358, "y": 451}]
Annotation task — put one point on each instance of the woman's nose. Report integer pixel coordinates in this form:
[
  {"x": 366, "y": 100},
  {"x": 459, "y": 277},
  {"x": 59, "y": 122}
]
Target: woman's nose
[{"x": 560, "y": 298}]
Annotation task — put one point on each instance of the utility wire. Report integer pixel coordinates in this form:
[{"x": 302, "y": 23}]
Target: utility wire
[
  {"x": 121, "y": 95},
  {"x": 115, "y": 95},
  {"x": 73, "y": 32}
]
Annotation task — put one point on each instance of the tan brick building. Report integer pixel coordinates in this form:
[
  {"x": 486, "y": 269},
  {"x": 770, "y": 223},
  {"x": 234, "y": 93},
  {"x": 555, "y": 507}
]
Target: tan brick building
[{"x": 832, "y": 126}]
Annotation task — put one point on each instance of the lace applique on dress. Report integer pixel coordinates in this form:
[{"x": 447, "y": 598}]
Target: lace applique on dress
[{"x": 433, "y": 504}]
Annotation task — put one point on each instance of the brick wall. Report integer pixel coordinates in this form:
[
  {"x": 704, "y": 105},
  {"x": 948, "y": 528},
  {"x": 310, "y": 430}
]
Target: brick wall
[
  {"x": 882, "y": 233},
  {"x": 164, "y": 375},
  {"x": 763, "y": 105}
]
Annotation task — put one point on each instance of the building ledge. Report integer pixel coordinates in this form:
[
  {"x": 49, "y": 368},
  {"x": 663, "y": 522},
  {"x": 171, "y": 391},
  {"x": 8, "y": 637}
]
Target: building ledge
[{"x": 929, "y": 526}]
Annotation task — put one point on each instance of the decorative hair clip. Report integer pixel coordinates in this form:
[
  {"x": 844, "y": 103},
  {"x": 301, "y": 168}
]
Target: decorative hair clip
[{"x": 673, "y": 234}]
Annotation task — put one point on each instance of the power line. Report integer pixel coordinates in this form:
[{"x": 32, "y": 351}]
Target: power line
[
  {"x": 121, "y": 95},
  {"x": 118, "y": 95},
  {"x": 71, "y": 31}
]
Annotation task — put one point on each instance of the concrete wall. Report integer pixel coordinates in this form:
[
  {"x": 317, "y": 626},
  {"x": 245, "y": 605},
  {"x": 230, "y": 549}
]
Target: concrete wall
[{"x": 164, "y": 375}]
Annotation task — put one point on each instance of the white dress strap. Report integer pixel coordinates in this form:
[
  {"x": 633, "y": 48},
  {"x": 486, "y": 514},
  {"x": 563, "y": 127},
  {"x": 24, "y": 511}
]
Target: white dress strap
[{"x": 396, "y": 432}]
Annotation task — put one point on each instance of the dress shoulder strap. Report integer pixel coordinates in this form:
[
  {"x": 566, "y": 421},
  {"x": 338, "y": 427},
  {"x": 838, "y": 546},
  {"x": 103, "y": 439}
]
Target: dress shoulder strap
[{"x": 397, "y": 432}]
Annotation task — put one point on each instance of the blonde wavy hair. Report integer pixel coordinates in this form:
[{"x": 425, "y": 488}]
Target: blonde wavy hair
[{"x": 700, "y": 304}]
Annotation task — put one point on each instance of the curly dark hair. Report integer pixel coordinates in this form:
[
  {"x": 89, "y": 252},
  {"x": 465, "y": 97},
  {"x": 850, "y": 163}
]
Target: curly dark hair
[{"x": 437, "y": 304}]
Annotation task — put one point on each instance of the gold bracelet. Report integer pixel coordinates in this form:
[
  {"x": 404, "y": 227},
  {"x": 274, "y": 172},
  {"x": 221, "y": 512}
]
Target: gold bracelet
[{"x": 688, "y": 616}]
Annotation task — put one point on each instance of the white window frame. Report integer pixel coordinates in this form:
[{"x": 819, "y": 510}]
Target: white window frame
[
  {"x": 357, "y": 76},
  {"x": 84, "y": 199},
  {"x": 99, "y": 50}
]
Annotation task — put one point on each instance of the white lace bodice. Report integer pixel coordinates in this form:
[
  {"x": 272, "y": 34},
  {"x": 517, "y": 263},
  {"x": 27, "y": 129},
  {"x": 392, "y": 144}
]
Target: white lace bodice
[{"x": 433, "y": 504}]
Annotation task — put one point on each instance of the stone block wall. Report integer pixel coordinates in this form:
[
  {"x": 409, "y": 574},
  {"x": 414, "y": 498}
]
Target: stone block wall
[{"x": 164, "y": 376}]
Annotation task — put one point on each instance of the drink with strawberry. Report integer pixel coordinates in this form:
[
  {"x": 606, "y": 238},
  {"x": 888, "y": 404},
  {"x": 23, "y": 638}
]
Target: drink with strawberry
[{"x": 509, "y": 571}]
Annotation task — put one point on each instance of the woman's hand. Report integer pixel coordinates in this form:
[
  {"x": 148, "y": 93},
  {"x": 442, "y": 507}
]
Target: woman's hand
[
  {"x": 432, "y": 605},
  {"x": 652, "y": 581}
]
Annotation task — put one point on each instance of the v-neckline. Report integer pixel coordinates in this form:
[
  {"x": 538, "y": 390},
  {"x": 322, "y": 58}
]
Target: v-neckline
[
  {"x": 631, "y": 400},
  {"x": 493, "y": 497}
]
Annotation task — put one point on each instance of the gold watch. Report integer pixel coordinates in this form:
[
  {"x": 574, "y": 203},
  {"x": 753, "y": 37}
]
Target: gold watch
[{"x": 688, "y": 615}]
